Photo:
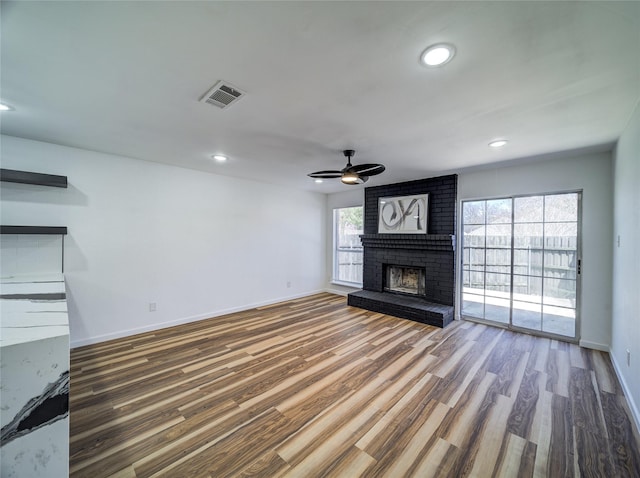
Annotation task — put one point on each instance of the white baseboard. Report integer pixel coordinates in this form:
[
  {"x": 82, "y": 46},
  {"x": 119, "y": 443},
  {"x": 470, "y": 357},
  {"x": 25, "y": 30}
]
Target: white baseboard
[
  {"x": 336, "y": 292},
  {"x": 594, "y": 345},
  {"x": 184, "y": 320},
  {"x": 342, "y": 288},
  {"x": 635, "y": 412}
]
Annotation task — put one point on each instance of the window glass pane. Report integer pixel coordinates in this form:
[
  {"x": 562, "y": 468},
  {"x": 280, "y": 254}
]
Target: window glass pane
[
  {"x": 473, "y": 212},
  {"x": 477, "y": 259},
  {"x": 560, "y": 235},
  {"x": 560, "y": 257},
  {"x": 558, "y": 320},
  {"x": 474, "y": 258},
  {"x": 527, "y": 288},
  {"x": 561, "y": 207},
  {"x": 498, "y": 260},
  {"x": 560, "y": 264},
  {"x": 498, "y": 236},
  {"x": 526, "y": 314},
  {"x": 349, "y": 227},
  {"x": 473, "y": 280},
  {"x": 499, "y": 211},
  {"x": 560, "y": 292},
  {"x": 527, "y": 262},
  {"x": 528, "y": 236},
  {"x": 472, "y": 305},
  {"x": 474, "y": 236},
  {"x": 466, "y": 278},
  {"x": 497, "y": 310},
  {"x": 497, "y": 285},
  {"x": 349, "y": 266},
  {"x": 528, "y": 209}
]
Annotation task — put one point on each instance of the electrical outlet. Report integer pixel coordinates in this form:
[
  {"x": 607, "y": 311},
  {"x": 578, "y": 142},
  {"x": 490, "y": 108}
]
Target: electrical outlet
[
  {"x": 618, "y": 240},
  {"x": 152, "y": 306},
  {"x": 628, "y": 358},
  {"x": 288, "y": 284}
]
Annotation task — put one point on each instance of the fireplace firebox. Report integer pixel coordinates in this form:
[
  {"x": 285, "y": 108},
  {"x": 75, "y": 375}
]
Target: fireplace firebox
[{"x": 405, "y": 280}]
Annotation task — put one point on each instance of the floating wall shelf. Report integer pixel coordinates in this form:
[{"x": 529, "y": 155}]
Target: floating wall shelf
[
  {"x": 61, "y": 230},
  {"x": 26, "y": 177}
]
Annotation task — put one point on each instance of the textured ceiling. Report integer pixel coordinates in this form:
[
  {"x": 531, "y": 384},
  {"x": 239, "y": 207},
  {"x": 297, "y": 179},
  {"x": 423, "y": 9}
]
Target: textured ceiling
[{"x": 126, "y": 77}]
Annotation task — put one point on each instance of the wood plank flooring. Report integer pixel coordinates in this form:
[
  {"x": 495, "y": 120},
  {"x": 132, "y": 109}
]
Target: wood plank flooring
[{"x": 312, "y": 387}]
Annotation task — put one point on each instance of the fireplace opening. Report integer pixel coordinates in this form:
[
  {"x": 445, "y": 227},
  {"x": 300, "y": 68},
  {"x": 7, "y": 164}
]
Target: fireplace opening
[{"x": 405, "y": 280}]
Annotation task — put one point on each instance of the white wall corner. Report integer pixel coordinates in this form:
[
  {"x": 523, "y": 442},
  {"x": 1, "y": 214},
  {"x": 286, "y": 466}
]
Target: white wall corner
[{"x": 633, "y": 406}]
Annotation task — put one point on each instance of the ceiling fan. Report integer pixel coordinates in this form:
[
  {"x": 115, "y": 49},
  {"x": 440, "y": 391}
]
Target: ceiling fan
[{"x": 351, "y": 174}]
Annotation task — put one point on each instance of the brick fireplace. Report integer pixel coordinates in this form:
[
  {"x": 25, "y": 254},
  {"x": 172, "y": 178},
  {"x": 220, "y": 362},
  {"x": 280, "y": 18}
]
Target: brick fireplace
[{"x": 411, "y": 276}]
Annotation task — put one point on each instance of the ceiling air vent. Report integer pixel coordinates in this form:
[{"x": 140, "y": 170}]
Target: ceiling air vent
[{"x": 222, "y": 95}]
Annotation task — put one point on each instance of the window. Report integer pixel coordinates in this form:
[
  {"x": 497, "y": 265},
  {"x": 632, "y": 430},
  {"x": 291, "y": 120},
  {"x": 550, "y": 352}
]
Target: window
[
  {"x": 520, "y": 262},
  {"x": 347, "y": 254}
]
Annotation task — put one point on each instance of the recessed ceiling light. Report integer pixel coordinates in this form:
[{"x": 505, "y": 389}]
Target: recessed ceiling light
[
  {"x": 498, "y": 143},
  {"x": 318, "y": 181},
  {"x": 4, "y": 107},
  {"x": 220, "y": 157},
  {"x": 438, "y": 55}
]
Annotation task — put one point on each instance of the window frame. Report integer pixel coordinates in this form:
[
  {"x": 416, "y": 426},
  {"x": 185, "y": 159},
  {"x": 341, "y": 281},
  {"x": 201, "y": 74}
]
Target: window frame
[
  {"x": 336, "y": 249},
  {"x": 578, "y": 257}
]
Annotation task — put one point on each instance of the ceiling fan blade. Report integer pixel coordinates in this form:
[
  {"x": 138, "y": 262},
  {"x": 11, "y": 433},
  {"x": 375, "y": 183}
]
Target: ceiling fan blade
[
  {"x": 367, "y": 169},
  {"x": 325, "y": 174}
]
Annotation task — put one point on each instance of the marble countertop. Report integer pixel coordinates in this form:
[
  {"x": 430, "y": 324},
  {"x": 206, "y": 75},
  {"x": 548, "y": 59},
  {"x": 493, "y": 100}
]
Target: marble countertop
[{"x": 32, "y": 308}]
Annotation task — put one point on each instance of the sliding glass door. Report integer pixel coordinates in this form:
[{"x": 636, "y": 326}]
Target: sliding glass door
[{"x": 521, "y": 263}]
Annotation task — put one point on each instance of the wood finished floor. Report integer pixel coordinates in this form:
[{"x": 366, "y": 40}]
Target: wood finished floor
[{"x": 312, "y": 387}]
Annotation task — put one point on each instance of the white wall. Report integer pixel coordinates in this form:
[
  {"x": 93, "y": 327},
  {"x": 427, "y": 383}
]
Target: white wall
[
  {"x": 626, "y": 262},
  {"x": 196, "y": 244},
  {"x": 592, "y": 173},
  {"x": 348, "y": 198}
]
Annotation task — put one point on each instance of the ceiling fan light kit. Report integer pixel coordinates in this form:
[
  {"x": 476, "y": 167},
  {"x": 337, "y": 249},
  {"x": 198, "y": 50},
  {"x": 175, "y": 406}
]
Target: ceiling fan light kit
[
  {"x": 350, "y": 178},
  {"x": 351, "y": 174}
]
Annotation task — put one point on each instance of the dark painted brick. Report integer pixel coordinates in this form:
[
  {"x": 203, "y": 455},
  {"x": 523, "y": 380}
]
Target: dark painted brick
[
  {"x": 434, "y": 252},
  {"x": 403, "y": 307}
]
